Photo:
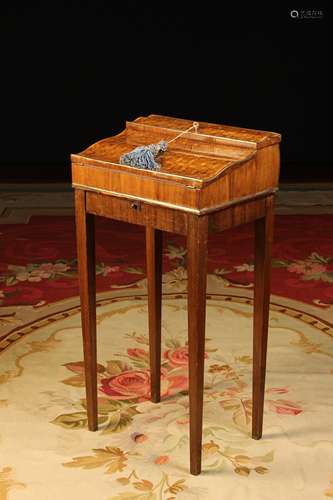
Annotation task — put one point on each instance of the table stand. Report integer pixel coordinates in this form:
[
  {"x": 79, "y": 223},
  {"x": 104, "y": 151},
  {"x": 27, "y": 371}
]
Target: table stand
[{"x": 195, "y": 225}]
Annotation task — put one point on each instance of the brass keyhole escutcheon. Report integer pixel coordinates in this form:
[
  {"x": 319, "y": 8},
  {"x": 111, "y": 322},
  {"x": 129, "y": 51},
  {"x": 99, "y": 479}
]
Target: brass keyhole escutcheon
[{"x": 135, "y": 205}]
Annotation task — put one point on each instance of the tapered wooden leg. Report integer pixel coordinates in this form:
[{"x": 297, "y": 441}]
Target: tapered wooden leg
[
  {"x": 197, "y": 235},
  {"x": 263, "y": 245},
  {"x": 85, "y": 237},
  {"x": 154, "y": 245}
]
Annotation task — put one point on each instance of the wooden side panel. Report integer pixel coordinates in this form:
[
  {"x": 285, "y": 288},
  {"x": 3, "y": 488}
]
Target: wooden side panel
[
  {"x": 239, "y": 182},
  {"x": 243, "y": 180},
  {"x": 237, "y": 215},
  {"x": 268, "y": 167},
  {"x": 257, "y": 175},
  {"x": 137, "y": 212}
]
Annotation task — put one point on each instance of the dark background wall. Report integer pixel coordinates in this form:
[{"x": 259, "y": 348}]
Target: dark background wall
[{"x": 73, "y": 73}]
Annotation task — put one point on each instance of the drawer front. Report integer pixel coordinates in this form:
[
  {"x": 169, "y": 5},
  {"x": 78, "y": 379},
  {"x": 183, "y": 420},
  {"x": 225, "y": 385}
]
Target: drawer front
[{"x": 136, "y": 212}]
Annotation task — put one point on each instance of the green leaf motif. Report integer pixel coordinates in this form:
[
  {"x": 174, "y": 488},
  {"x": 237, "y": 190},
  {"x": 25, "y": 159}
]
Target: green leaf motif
[
  {"x": 177, "y": 487},
  {"x": 78, "y": 367},
  {"x": 114, "y": 367},
  {"x": 315, "y": 257},
  {"x": 242, "y": 459},
  {"x": 134, "y": 270},
  {"x": 17, "y": 269},
  {"x": 143, "y": 485},
  {"x": 11, "y": 280},
  {"x": 76, "y": 381},
  {"x": 118, "y": 422},
  {"x": 172, "y": 343},
  {"x": 242, "y": 471},
  {"x": 279, "y": 263},
  {"x": 261, "y": 470},
  {"x": 132, "y": 410},
  {"x": 31, "y": 267},
  {"x": 76, "y": 420},
  {"x": 149, "y": 495},
  {"x": 68, "y": 274},
  {"x": 140, "y": 364},
  {"x": 106, "y": 406},
  {"x": 242, "y": 416},
  {"x": 229, "y": 404},
  {"x": 112, "y": 457},
  {"x": 326, "y": 277}
]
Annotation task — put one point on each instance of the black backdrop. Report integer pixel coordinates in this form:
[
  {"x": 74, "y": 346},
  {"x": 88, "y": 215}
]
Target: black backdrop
[{"x": 73, "y": 73}]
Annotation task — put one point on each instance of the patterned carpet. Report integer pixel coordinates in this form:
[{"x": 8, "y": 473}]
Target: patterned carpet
[{"x": 140, "y": 451}]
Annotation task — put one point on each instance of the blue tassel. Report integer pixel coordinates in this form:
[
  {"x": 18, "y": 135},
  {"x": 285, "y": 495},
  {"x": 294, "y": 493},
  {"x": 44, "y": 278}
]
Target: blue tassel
[{"x": 144, "y": 156}]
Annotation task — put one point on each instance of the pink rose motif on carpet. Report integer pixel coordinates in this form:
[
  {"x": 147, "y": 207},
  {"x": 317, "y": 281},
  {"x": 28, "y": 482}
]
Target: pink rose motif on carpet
[
  {"x": 135, "y": 384},
  {"x": 178, "y": 357},
  {"x": 284, "y": 407}
]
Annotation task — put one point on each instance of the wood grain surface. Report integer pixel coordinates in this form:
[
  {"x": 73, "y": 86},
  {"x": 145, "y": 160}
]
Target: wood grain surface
[{"x": 198, "y": 172}]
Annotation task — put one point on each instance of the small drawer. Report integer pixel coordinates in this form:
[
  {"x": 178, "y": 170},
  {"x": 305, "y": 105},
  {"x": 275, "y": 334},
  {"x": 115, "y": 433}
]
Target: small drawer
[{"x": 136, "y": 212}]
